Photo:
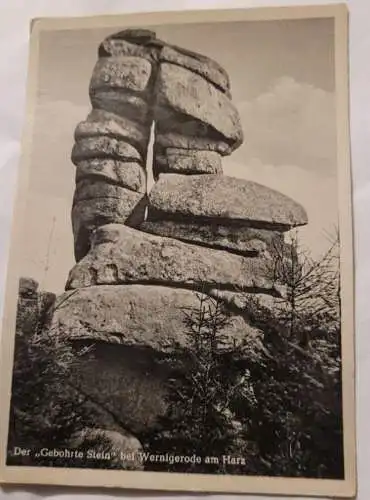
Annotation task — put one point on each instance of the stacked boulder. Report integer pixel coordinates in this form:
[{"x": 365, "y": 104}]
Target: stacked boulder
[{"x": 202, "y": 232}]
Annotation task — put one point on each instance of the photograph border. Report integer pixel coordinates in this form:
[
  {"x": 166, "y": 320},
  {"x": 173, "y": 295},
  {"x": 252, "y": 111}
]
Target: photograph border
[{"x": 176, "y": 482}]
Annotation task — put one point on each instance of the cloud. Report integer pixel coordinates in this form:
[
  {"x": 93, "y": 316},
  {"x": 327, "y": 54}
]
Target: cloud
[{"x": 292, "y": 124}]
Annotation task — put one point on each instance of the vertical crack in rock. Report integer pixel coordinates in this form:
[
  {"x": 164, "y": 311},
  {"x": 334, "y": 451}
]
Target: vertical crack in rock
[{"x": 154, "y": 218}]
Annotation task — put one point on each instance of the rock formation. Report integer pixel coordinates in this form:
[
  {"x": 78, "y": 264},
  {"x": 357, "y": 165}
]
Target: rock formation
[{"x": 142, "y": 258}]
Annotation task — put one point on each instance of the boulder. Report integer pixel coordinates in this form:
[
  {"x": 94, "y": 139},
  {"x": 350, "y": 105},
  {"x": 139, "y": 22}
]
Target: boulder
[
  {"x": 119, "y": 47},
  {"x": 104, "y": 147},
  {"x": 140, "y": 316},
  {"x": 132, "y": 332},
  {"x": 201, "y": 65},
  {"x": 88, "y": 189},
  {"x": 128, "y": 175},
  {"x": 222, "y": 198},
  {"x": 122, "y": 447},
  {"x": 126, "y": 73},
  {"x": 187, "y": 161},
  {"x": 121, "y": 254},
  {"x": 100, "y": 122},
  {"x": 132, "y": 106},
  {"x": 167, "y": 139},
  {"x": 88, "y": 214},
  {"x": 234, "y": 238},
  {"x": 183, "y": 92}
]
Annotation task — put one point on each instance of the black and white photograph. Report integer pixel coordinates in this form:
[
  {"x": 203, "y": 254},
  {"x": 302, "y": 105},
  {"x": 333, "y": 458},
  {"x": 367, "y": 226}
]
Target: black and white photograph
[{"x": 184, "y": 255}]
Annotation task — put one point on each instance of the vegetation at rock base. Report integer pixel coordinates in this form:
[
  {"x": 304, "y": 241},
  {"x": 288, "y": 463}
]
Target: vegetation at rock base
[
  {"x": 208, "y": 373},
  {"x": 273, "y": 402},
  {"x": 281, "y": 411},
  {"x": 47, "y": 410}
]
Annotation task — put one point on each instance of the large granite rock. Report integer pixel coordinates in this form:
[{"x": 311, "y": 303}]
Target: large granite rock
[
  {"x": 133, "y": 106},
  {"x": 145, "y": 44},
  {"x": 141, "y": 316},
  {"x": 128, "y": 175},
  {"x": 88, "y": 214},
  {"x": 124, "y": 72},
  {"x": 100, "y": 123},
  {"x": 186, "y": 162},
  {"x": 121, "y": 254},
  {"x": 133, "y": 331},
  {"x": 222, "y": 198},
  {"x": 182, "y": 92},
  {"x": 104, "y": 147},
  {"x": 165, "y": 137},
  {"x": 234, "y": 238}
]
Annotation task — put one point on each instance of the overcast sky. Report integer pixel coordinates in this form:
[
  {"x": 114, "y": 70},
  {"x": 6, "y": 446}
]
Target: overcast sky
[{"x": 282, "y": 81}]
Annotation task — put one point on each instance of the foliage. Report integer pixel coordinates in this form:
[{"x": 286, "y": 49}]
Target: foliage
[
  {"x": 280, "y": 411},
  {"x": 45, "y": 408},
  {"x": 297, "y": 422},
  {"x": 206, "y": 377}
]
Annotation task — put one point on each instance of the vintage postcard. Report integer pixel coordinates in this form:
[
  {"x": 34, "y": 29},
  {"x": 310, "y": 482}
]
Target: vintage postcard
[{"x": 179, "y": 307}]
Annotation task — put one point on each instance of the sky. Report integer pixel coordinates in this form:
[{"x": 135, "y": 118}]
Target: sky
[{"x": 282, "y": 83}]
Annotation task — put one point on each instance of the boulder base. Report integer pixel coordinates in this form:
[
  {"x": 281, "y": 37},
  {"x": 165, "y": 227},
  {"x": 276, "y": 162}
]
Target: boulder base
[{"x": 133, "y": 331}]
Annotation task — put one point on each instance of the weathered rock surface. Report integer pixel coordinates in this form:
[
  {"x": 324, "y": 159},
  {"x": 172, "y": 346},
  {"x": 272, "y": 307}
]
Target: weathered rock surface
[
  {"x": 104, "y": 147},
  {"x": 112, "y": 46},
  {"x": 100, "y": 122},
  {"x": 201, "y": 65},
  {"x": 122, "y": 447},
  {"x": 186, "y": 93},
  {"x": 144, "y": 43},
  {"x": 120, "y": 254},
  {"x": 248, "y": 303},
  {"x": 88, "y": 214},
  {"x": 129, "y": 175},
  {"x": 187, "y": 161},
  {"x": 142, "y": 316},
  {"x": 133, "y": 330},
  {"x": 238, "y": 239},
  {"x": 132, "y": 106},
  {"x": 223, "y": 198},
  {"x": 88, "y": 189},
  {"x": 168, "y": 139},
  {"x": 124, "y": 72}
]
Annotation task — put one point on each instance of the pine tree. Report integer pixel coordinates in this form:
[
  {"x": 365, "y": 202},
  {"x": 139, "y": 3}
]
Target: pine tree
[{"x": 207, "y": 376}]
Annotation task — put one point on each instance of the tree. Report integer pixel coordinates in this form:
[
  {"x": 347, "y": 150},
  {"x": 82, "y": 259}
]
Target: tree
[
  {"x": 297, "y": 420},
  {"x": 207, "y": 375}
]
